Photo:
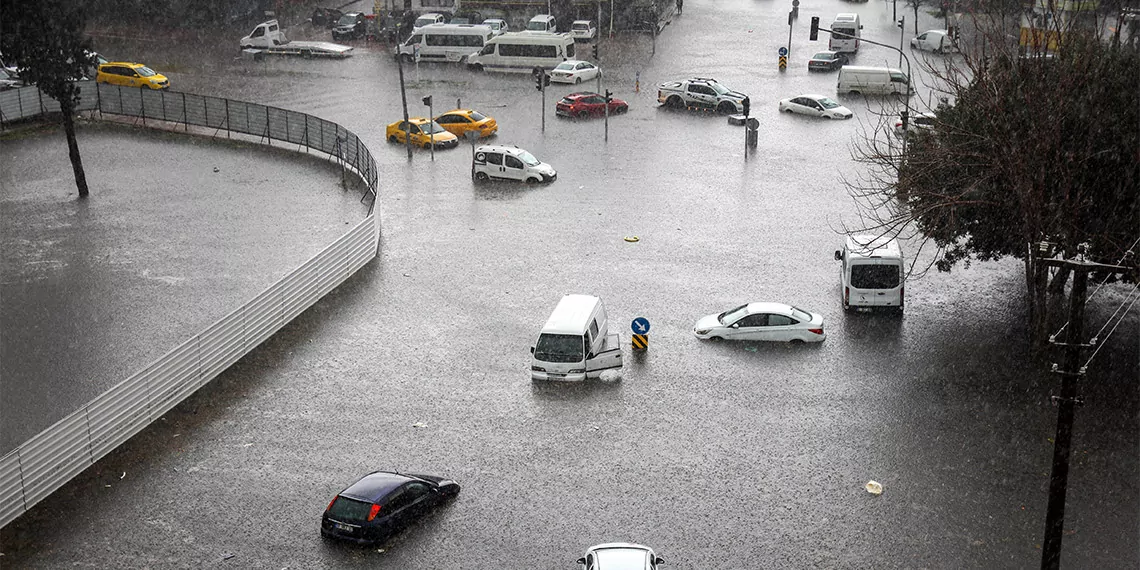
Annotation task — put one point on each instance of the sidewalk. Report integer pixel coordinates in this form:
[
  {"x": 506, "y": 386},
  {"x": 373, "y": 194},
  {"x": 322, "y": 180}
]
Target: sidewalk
[{"x": 178, "y": 231}]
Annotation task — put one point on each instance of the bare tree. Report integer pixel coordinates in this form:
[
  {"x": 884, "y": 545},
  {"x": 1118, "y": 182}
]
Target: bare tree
[{"x": 1042, "y": 144}]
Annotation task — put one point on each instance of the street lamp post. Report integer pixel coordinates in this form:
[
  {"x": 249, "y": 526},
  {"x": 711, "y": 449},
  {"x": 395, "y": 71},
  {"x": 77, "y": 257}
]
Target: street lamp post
[{"x": 404, "y": 100}]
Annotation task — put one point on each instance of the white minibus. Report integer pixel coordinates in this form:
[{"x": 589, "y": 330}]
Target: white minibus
[
  {"x": 445, "y": 42},
  {"x": 872, "y": 273},
  {"x": 521, "y": 52},
  {"x": 845, "y": 33}
]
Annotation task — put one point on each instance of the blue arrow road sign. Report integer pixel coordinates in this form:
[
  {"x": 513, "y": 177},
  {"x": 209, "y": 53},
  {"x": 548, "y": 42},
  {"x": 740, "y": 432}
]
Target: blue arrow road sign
[
  {"x": 640, "y": 325},
  {"x": 783, "y": 51}
]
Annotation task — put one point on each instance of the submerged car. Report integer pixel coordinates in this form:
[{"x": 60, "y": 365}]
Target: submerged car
[
  {"x": 584, "y": 105},
  {"x": 815, "y": 106},
  {"x": 381, "y": 503},
  {"x": 775, "y": 322},
  {"x": 574, "y": 71},
  {"x": 503, "y": 162},
  {"x": 131, "y": 75},
  {"x": 827, "y": 61},
  {"x": 422, "y": 132},
  {"x": 459, "y": 121},
  {"x": 620, "y": 556}
]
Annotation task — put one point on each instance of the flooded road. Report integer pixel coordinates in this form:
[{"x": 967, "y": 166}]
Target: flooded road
[{"x": 718, "y": 455}]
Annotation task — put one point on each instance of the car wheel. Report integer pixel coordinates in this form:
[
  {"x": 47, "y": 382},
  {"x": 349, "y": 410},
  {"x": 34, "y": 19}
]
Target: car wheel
[
  {"x": 796, "y": 341},
  {"x": 622, "y": 109},
  {"x": 788, "y": 110},
  {"x": 583, "y": 115},
  {"x": 477, "y": 67},
  {"x": 532, "y": 180},
  {"x": 407, "y": 58},
  {"x": 674, "y": 102},
  {"x": 577, "y": 80},
  {"x": 427, "y": 146},
  {"x": 853, "y": 92},
  {"x": 393, "y": 139},
  {"x": 481, "y": 176},
  {"x": 715, "y": 338},
  {"x": 725, "y": 108}
]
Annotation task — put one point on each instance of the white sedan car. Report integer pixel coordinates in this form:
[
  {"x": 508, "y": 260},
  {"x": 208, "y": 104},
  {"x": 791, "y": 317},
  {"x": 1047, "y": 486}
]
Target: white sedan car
[
  {"x": 816, "y": 106},
  {"x": 574, "y": 71},
  {"x": 762, "y": 321},
  {"x": 620, "y": 556}
]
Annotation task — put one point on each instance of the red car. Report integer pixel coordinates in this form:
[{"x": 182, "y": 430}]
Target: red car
[{"x": 582, "y": 105}]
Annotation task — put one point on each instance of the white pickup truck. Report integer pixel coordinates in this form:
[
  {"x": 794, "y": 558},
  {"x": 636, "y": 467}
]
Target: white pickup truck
[
  {"x": 701, "y": 92},
  {"x": 267, "y": 37}
]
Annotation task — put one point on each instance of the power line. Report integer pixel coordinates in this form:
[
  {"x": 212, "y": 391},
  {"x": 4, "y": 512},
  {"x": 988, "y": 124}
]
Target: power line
[
  {"x": 1100, "y": 344},
  {"x": 1127, "y": 254}
]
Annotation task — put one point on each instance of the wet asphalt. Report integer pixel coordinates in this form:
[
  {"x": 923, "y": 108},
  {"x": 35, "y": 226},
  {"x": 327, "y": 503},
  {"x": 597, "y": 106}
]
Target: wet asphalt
[{"x": 729, "y": 455}]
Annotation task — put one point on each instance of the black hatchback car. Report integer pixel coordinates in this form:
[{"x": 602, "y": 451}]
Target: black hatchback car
[
  {"x": 827, "y": 61},
  {"x": 381, "y": 503},
  {"x": 350, "y": 26}
]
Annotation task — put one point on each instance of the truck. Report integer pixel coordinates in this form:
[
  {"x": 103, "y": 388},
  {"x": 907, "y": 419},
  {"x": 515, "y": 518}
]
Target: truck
[
  {"x": 267, "y": 37},
  {"x": 702, "y": 93}
]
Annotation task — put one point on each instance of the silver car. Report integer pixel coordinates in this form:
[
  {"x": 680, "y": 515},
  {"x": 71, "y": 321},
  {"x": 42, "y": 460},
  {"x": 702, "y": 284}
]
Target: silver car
[{"x": 620, "y": 556}]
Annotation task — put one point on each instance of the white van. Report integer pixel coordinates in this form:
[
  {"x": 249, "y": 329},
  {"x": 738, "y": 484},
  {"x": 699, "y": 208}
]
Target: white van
[
  {"x": 846, "y": 30},
  {"x": 858, "y": 80},
  {"x": 445, "y": 42},
  {"x": 872, "y": 273},
  {"x": 521, "y": 52},
  {"x": 509, "y": 163},
  {"x": 575, "y": 343},
  {"x": 542, "y": 23}
]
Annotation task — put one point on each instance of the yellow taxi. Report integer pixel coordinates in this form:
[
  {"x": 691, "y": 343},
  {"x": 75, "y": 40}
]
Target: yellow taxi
[
  {"x": 131, "y": 75},
  {"x": 460, "y": 121},
  {"x": 422, "y": 132}
]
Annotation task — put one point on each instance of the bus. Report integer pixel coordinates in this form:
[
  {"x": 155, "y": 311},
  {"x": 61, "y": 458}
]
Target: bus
[
  {"x": 521, "y": 52},
  {"x": 445, "y": 42}
]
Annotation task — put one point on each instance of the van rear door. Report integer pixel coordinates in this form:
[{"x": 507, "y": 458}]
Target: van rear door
[{"x": 609, "y": 358}]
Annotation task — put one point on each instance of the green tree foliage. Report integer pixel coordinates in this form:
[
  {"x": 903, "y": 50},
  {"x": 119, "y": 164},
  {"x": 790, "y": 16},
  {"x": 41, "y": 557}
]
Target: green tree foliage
[
  {"x": 44, "y": 40},
  {"x": 1036, "y": 147}
]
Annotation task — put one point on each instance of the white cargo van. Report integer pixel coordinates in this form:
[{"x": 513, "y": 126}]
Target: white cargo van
[
  {"x": 872, "y": 273},
  {"x": 520, "y": 52},
  {"x": 846, "y": 30},
  {"x": 445, "y": 42},
  {"x": 575, "y": 343},
  {"x": 858, "y": 80}
]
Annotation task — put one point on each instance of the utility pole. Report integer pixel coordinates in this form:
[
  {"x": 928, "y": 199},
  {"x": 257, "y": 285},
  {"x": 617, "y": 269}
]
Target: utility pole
[
  {"x": 541, "y": 79},
  {"x": 902, "y": 33},
  {"x": 404, "y": 98},
  {"x": 430, "y": 125},
  {"x": 1066, "y": 406}
]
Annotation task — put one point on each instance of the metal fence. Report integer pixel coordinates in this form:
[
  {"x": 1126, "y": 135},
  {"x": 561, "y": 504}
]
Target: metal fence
[{"x": 53, "y": 457}]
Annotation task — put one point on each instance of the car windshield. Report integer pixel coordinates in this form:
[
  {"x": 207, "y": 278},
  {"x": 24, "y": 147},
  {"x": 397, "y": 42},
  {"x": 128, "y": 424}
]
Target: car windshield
[
  {"x": 582, "y": 27},
  {"x": 875, "y": 276},
  {"x": 620, "y": 558},
  {"x": 348, "y": 20},
  {"x": 732, "y": 316},
  {"x": 566, "y": 66},
  {"x": 801, "y": 315},
  {"x": 720, "y": 89},
  {"x": 346, "y": 509},
  {"x": 433, "y": 128},
  {"x": 536, "y": 26},
  {"x": 827, "y": 103},
  {"x": 558, "y": 348},
  {"x": 145, "y": 71},
  {"x": 528, "y": 159},
  {"x": 477, "y": 116}
]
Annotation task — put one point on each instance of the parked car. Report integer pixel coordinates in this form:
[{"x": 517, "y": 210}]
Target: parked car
[
  {"x": 827, "y": 61},
  {"x": 815, "y": 106},
  {"x": 542, "y": 23},
  {"x": 427, "y": 20},
  {"x": 574, "y": 71},
  {"x": 381, "y": 503},
  {"x": 509, "y": 163},
  {"x": 915, "y": 123},
  {"x": 422, "y": 132},
  {"x": 583, "y": 30},
  {"x": 620, "y": 556},
  {"x": 460, "y": 121},
  {"x": 9, "y": 81},
  {"x": 351, "y": 26},
  {"x": 937, "y": 41},
  {"x": 131, "y": 75},
  {"x": 497, "y": 25},
  {"x": 585, "y": 104},
  {"x": 327, "y": 17},
  {"x": 762, "y": 321}
]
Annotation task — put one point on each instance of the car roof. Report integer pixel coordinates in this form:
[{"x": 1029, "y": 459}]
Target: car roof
[
  {"x": 873, "y": 246},
  {"x": 581, "y": 94},
  {"x": 499, "y": 148},
  {"x": 581, "y": 22},
  {"x": 813, "y": 96},
  {"x": 572, "y": 315},
  {"x": 574, "y": 61},
  {"x": 126, "y": 63},
  {"x": 373, "y": 486},
  {"x": 770, "y": 308}
]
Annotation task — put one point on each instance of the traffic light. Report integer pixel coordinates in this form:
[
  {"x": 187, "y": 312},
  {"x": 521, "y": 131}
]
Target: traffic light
[
  {"x": 905, "y": 118},
  {"x": 746, "y": 104},
  {"x": 609, "y": 96},
  {"x": 814, "y": 28},
  {"x": 595, "y": 52},
  {"x": 427, "y": 100},
  {"x": 902, "y": 22}
]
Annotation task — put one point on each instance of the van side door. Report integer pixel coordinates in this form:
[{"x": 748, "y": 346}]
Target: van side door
[
  {"x": 608, "y": 358},
  {"x": 513, "y": 168}
]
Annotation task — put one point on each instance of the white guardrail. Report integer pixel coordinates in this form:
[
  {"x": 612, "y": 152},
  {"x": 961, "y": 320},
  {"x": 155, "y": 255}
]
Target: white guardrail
[{"x": 47, "y": 461}]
